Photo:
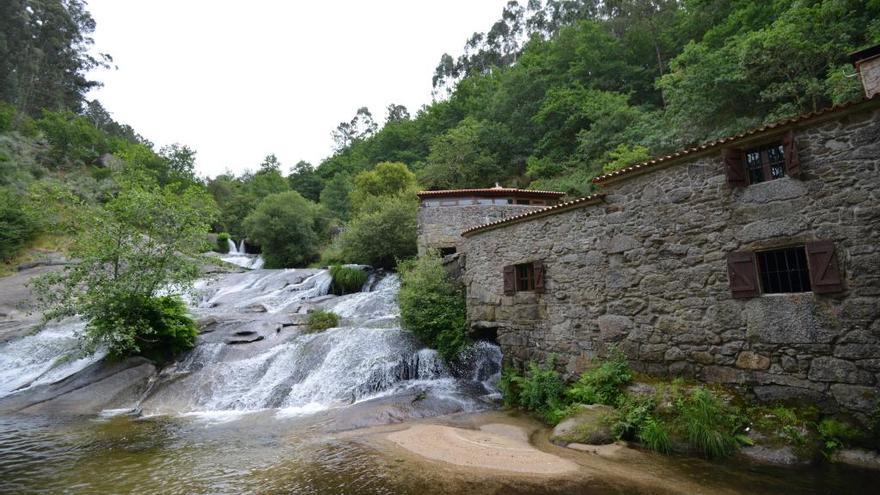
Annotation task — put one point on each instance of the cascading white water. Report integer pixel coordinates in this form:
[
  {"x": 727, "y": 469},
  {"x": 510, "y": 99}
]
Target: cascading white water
[
  {"x": 238, "y": 256},
  {"x": 256, "y": 353},
  {"x": 367, "y": 356},
  {"x": 47, "y": 356}
]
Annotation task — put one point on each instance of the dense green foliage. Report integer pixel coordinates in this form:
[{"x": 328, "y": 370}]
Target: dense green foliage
[
  {"x": 129, "y": 251},
  {"x": 17, "y": 225},
  {"x": 346, "y": 279},
  {"x": 381, "y": 234},
  {"x": 432, "y": 305},
  {"x": 288, "y": 228},
  {"x": 556, "y": 92},
  {"x": 604, "y": 383},
  {"x": 696, "y": 417},
  {"x": 322, "y": 319},
  {"x": 222, "y": 242},
  {"x": 45, "y": 54},
  {"x": 709, "y": 424},
  {"x": 540, "y": 389},
  {"x": 158, "y": 328}
]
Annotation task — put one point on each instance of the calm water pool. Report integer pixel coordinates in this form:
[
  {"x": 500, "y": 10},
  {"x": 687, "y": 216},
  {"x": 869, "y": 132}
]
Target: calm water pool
[{"x": 260, "y": 453}]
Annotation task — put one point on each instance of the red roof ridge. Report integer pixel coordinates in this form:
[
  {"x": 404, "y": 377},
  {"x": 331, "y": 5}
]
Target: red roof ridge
[
  {"x": 729, "y": 139},
  {"x": 490, "y": 190},
  {"x": 533, "y": 213}
]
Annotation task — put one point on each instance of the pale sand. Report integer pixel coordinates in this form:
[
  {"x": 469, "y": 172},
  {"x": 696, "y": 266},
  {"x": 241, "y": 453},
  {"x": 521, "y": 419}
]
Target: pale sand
[{"x": 494, "y": 446}]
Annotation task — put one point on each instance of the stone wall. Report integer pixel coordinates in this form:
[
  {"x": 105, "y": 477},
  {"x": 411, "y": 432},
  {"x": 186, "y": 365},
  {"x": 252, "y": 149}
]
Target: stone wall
[
  {"x": 646, "y": 270},
  {"x": 441, "y": 226}
]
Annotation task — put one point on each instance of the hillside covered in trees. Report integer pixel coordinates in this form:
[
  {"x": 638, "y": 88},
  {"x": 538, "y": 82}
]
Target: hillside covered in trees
[{"x": 550, "y": 95}]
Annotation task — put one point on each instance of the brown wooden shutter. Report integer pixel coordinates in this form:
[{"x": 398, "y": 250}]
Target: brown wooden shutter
[
  {"x": 539, "y": 277},
  {"x": 824, "y": 273},
  {"x": 509, "y": 280},
  {"x": 743, "y": 273},
  {"x": 735, "y": 167},
  {"x": 792, "y": 162}
]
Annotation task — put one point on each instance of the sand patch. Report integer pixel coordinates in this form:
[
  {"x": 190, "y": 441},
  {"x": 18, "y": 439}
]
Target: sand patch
[{"x": 494, "y": 446}]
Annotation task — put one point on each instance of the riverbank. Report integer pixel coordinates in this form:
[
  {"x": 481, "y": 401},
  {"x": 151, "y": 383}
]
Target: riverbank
[{"x": 507, "y": 452}]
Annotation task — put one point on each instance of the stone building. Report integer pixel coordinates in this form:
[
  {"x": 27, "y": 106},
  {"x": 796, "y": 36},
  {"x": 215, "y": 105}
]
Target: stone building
[
  {"x": 752, "y": 261},
  {"x": 443, "y": 215}
]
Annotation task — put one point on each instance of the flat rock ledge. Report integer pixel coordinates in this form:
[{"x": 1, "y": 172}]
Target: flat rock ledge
[
  {"x": 775, "y": 456},
  {"x": 862, "y": 458},
  {"x": 494, "y": 447}
]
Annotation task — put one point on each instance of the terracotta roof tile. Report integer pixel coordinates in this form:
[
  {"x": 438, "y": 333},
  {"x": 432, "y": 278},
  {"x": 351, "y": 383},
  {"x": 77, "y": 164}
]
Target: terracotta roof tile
[
  {"x": 727, "y": 140},
  {"x": 568, "y": 205},
  {"x": 493, "y": 191}
]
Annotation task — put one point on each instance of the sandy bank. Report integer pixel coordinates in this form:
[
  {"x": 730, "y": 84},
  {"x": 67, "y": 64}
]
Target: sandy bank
[{"x": 494, "y": 446}]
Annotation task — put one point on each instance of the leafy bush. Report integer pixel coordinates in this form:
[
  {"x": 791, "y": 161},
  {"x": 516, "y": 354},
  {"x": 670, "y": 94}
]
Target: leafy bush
[
  {"x": 17, "y": 226},
  {"x": 540, "y": 390},
  {"x": 432, "y": 306},
  {"x": 288, "y": 228},
  {"x": 73, "y": 139},
  {"x": 383, "y": 232},
  {"x": 322, "y": 320},
  {"x": 632, "y": 414},
  {"x": 603, "y": 384},
  {"x": 836, "y": 434},
  {"x": 347, "y": 280},
  {"x": 222, "y": 242},
  {"x": 509, "y": 386},
  {"x": 158, "y": 328},
  {"x": 710, "y": 425},
  {"x": 7, "y": 116},
  {"x": 387, "y": 179},
  {"x": 654, "y": 434},
  {"x": 138, "y": 244}
]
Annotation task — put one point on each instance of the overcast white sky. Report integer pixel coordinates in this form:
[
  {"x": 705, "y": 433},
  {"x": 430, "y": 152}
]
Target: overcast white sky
[{"x": 237, "y": 80}]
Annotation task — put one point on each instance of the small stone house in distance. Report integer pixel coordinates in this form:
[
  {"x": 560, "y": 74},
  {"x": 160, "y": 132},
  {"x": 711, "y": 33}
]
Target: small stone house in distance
[
  {"x": 444, "y": 214},
  {"x": 752, "y": 261}
]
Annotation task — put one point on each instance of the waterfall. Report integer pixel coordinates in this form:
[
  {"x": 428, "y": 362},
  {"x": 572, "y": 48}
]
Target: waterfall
[
  {"x": 257, "y": 353},
  {"x": 44, "y": 357},
  {"x": 232, "y": 248},
  {"x": 241, "y": 247}
]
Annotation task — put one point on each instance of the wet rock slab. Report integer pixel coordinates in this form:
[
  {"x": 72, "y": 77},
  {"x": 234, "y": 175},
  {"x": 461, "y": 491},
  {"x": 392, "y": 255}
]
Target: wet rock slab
[{"x": 100, "y": 386}]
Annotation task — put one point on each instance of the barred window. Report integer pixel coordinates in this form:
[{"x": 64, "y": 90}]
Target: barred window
[
  {"x": 525, "y": 277},
  {"x": 784, "y": 270}
]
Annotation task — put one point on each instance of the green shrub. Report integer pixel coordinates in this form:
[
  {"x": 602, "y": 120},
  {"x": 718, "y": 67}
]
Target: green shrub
[
  {"x": 322, "y": 320},
  {"x": 603, "y": 384},
  {"x": 347, "y": 280},
  {"x": 654, "y": 434},
  {"x": 710, "y": 425},
  {"x": 542, "y": 390},
  {"x": 74, "y": 140},
  {"x": 432, "y": 305},
  {"x": 288, "y": 229},
  {"x": 509, "y": 386},
  {"x": 632, "y": 414},
  {"x": 158, "y": 328},
  {"x": 7, "y": 116},
  {"x": 836, "y": 434},
  {"x": 383, "y": 232},
  {"x": 17, "y": 226},
  {"x": 222, "y": 242}
]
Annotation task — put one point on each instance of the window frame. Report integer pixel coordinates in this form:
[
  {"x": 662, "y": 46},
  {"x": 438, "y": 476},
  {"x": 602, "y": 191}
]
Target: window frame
[
  {"x": 766, "y": 165},
  {"x": 525, "y": 277},
  {"x": 796, "y": 254}
]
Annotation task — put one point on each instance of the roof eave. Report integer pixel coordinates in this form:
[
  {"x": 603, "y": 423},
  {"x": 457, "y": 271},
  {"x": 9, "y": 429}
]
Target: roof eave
[{"x": 525, "y": 217}]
